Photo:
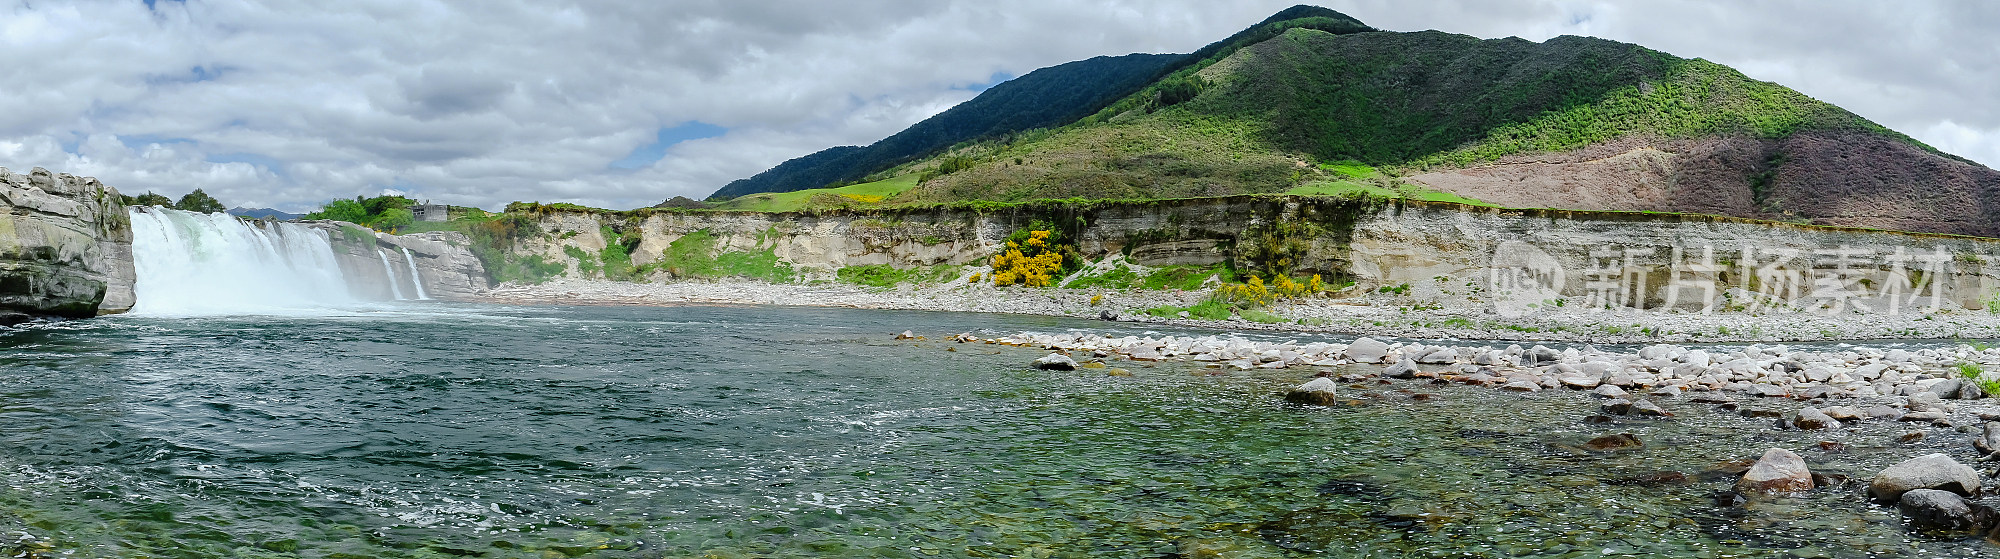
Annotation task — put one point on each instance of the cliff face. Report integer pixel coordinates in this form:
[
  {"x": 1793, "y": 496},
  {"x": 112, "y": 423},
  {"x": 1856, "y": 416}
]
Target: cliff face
[
  {"x": 65, "y": 247},
  {"x": 1439, "y": 254},
  {"x": 377, "y": 268}
]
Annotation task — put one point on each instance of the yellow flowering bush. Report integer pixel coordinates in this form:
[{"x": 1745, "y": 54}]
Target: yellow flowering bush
[
  {"x": 1256, "y": 293},
  {"x": 1033, "y": 262}
]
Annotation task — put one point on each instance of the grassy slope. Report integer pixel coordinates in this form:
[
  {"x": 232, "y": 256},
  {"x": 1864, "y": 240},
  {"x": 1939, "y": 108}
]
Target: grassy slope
[
  {"x": 868, "y": 193},
  {"x": 1274, "y": 116}
]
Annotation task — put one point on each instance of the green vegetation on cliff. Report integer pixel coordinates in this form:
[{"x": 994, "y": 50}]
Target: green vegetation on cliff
[
  {"x": 382, "y": 213},
  {"x": 196, "y": 201}
]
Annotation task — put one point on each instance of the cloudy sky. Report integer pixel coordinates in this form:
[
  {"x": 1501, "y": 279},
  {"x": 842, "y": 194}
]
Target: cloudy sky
[{"x": 621, "y": 104}]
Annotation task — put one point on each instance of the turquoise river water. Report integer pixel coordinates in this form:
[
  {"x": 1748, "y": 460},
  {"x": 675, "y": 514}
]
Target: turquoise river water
[{"x": 437, "y": 430}]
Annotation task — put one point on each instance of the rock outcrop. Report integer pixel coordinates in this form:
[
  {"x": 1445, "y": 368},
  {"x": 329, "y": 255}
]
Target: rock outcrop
[
  {"x": 371, "y": 261},
  {"x": 65, "y": 247}
]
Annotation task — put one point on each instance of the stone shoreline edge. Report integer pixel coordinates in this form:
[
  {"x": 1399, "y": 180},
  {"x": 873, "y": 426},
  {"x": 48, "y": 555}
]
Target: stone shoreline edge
[{"x": 1360, "y": 316}]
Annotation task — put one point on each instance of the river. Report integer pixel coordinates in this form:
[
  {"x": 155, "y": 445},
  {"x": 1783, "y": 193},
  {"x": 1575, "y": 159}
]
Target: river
[{"x": 436, "y": 429}]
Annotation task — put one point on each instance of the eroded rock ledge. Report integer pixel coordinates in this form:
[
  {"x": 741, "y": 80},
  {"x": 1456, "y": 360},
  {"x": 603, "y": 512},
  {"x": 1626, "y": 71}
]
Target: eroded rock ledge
[{"x": 65, "y": 247}]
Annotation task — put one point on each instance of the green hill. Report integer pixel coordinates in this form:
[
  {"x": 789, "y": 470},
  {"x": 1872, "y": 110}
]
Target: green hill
[
  {"x": 1269, "y": 117},
  {"x": 1312, "y": 102},
  {"x": 1572, "y": 122},
  {"x": 1043, "y": 98}
]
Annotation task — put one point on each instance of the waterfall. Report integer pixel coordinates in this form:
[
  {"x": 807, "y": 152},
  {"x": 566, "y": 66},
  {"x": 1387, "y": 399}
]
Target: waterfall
[
  {"x": 414, "y": 278},
  {"x": 390, "y": 273},
  {"x": 195, "y": 263}
]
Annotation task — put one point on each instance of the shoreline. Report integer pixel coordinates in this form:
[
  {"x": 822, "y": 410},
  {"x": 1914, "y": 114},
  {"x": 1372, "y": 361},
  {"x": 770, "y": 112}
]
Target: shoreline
[{"x": 1369, "y": 315}]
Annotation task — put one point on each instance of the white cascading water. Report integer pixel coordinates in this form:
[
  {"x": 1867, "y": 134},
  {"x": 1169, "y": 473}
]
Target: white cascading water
[
  {"x": 414, "y": 278},
  {"x": 389, "y": 272},
  {"x": 194, "y": 263}
]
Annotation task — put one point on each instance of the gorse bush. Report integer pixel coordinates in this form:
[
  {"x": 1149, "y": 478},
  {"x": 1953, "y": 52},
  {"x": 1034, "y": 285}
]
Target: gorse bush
[
  {"x": 1256, "y": 293},
  {"x": 1033, "y": 261}
]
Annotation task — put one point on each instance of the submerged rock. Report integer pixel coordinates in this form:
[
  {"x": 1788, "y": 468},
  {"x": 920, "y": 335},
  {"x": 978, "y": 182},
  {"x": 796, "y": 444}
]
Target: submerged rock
[
  {"x": 1648, "y": 408},
  {"x": 1621, "y": 441},
  {"x": 1616, "y": 406},
  {"x": 1930, "y": 471},
  {"x": 1810, "y": 418},
  {"x": 1778, "y": 472},
  {"x": 1653, "y": 479},
  {"x": 1989, "y": 440},
  {"x": 1405, "y": 369},
  {"x": 1931, "y": 509},
  {"x": 1318, "y": 392},
  {"x": 1056, "y": 362}
]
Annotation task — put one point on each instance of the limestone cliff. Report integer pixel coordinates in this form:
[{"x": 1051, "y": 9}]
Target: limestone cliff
[
  {"x": 65, "y": 247},
  {"x": 1433, "y": 253}
]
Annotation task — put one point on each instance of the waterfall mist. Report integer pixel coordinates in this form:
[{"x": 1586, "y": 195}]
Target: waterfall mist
[{"x": 195, "y": 263}]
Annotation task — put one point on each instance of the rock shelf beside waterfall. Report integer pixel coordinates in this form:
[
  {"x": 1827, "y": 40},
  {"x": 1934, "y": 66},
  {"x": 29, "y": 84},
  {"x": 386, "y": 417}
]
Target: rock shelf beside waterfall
[
  {"x": 65, "y": 247},
  {"x": 381, "y": 266}
]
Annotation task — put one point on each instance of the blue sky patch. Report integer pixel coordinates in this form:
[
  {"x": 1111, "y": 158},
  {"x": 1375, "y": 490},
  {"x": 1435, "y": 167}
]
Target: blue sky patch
[
  {"x": 996, "y": 79},
  {"x": 649, "y": 153}
]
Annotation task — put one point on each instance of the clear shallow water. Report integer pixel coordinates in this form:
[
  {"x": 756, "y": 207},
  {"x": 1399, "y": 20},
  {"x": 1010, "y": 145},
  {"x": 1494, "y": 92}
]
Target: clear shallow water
[{"x": 450, "y": 431}]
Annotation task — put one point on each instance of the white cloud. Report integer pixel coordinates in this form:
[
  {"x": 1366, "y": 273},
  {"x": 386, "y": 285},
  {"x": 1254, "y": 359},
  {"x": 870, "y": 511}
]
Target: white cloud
[
  {"x": 289, "y": 103},
  {"x": 1976, "y": 144}
]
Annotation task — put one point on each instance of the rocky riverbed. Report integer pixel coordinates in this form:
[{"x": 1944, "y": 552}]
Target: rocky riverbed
[
  {"x": 1934, "y": 392},
  {"x": 1373, "y": 314}
]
